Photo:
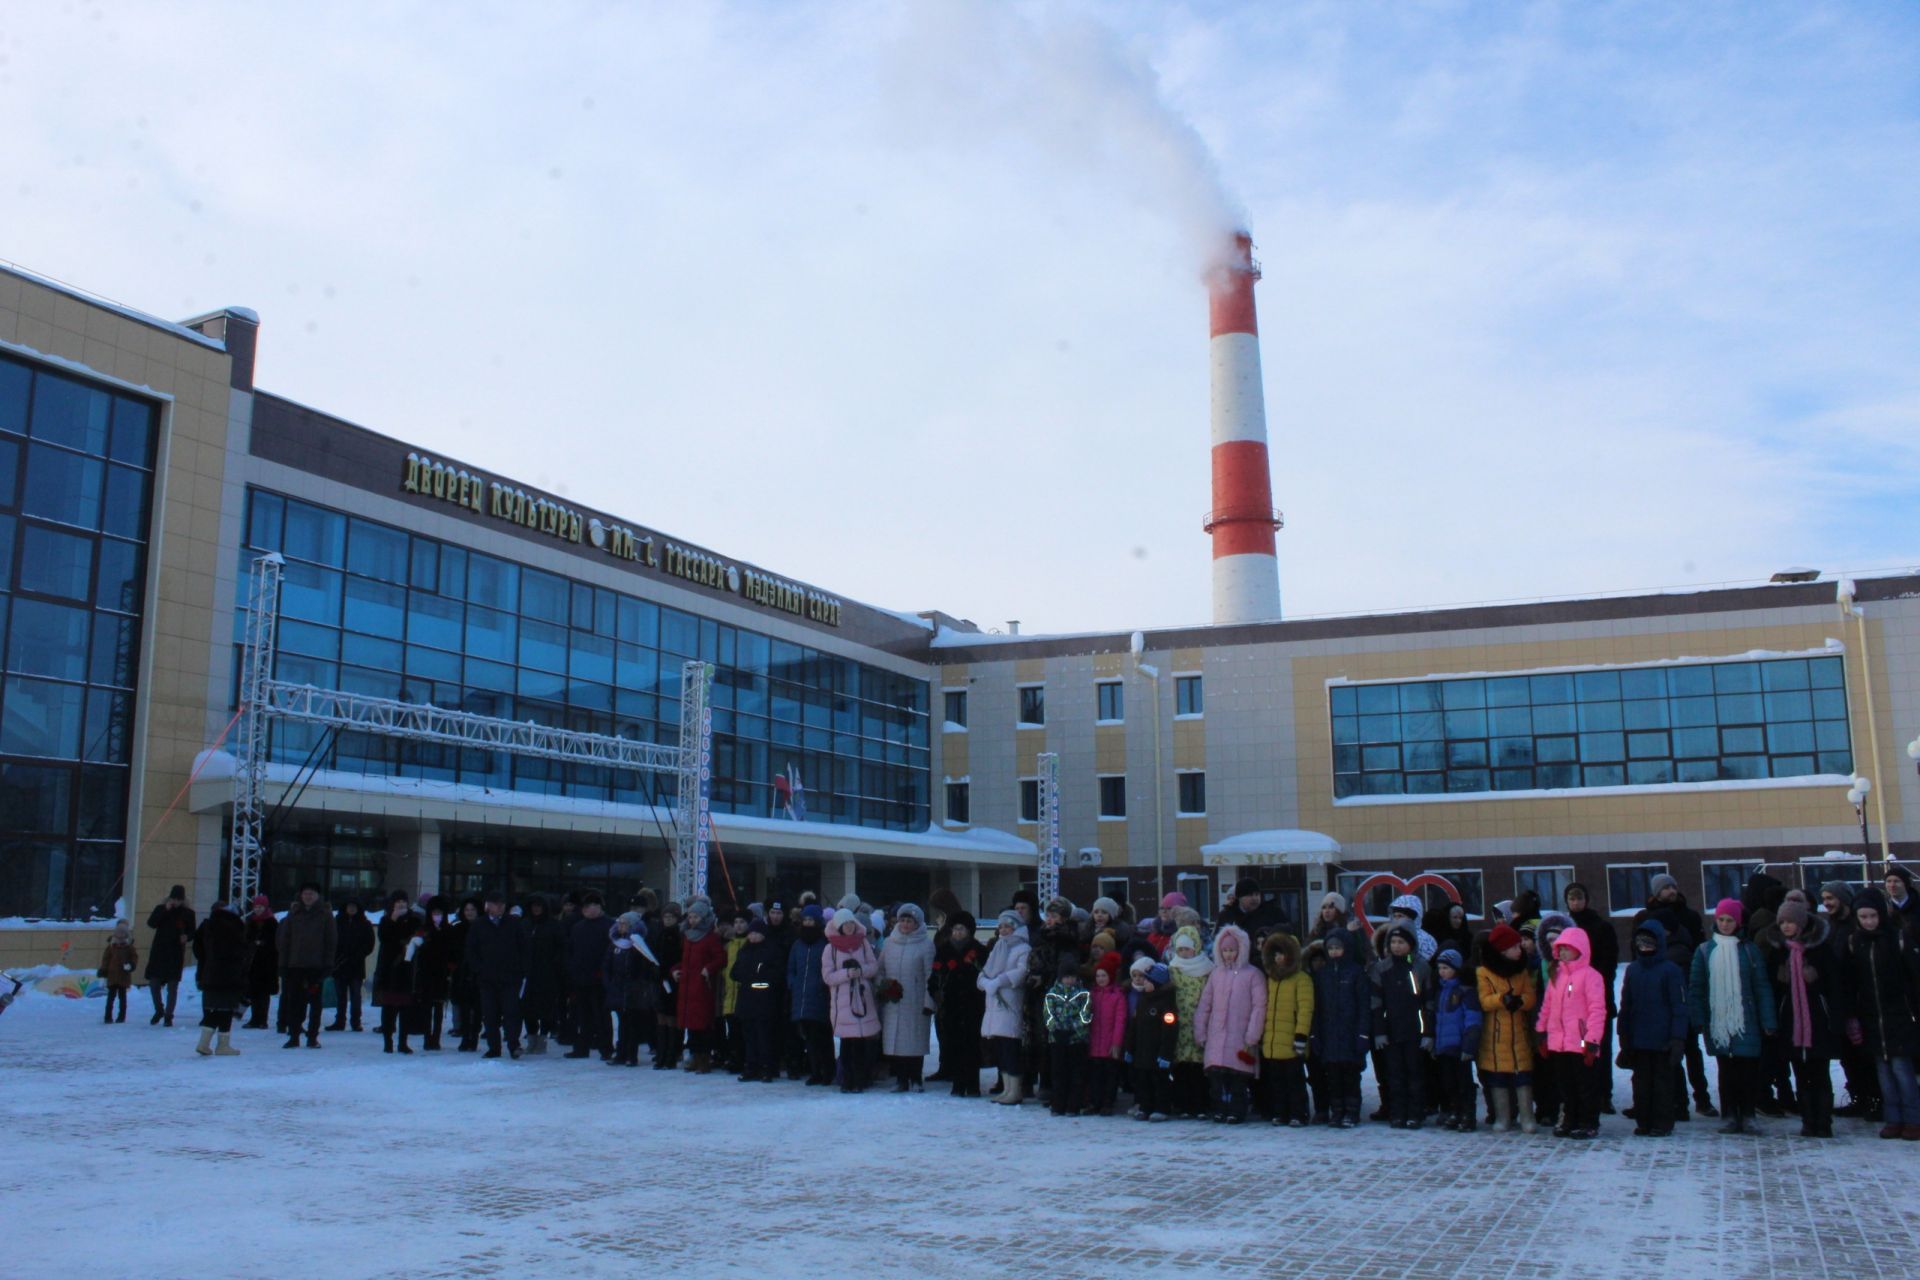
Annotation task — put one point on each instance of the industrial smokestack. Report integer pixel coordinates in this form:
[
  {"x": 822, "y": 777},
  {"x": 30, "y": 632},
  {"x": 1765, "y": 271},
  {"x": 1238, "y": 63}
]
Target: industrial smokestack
[{"x": 1246, "y": 576}]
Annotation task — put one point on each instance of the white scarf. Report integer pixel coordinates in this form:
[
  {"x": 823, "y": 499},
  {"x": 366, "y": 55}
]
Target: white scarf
[{"x": 1728, "y": 1015}]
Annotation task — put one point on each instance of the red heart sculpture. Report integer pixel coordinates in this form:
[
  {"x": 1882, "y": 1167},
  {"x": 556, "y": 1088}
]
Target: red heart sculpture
[{"x": 1400, "y": 887}]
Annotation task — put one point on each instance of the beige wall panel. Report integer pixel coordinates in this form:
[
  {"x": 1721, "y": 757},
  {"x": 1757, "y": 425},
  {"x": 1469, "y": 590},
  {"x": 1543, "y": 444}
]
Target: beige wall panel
[
  {"x": 1110, "y": 748},
  {"x": 1189, "y": 744}
]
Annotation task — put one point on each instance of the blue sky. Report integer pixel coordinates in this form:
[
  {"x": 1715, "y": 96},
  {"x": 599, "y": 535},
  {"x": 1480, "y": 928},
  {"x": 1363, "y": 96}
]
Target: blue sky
[{"x": 904, "y": 300}]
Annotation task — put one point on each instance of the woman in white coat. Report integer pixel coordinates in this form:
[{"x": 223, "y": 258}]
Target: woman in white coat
[
  {"x": 906, "y": 1010},
  {"x": 1004, "y": 982}
]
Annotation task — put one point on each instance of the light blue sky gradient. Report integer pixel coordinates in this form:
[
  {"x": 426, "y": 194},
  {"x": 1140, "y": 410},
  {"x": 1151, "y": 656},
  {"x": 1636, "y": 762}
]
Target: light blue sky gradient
[{"x": 903, "y": 299}]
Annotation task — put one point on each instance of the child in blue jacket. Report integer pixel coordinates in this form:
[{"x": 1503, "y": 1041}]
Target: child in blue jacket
[
  {"x": 1653, "y": 1029},
  {"x": 1456, "y": 1042},
  {"x": 1342, "y": 1031}
]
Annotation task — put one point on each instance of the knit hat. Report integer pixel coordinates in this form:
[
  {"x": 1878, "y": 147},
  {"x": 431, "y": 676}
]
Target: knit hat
[
  {"x": 699, "y": 908},
  {"x": 1069, "y": 966},
  {"x": 878, "y": 919},
  {"x": 261, "y": 900},
  {"x": 1140, "y": 965},
  {"x": 909, "y": 909},
  {"x": 851, "y": 902},
  {"x": 1189, "y": 935},
  {"x": 1338, "y": 900},
  {"x": 178, "y": 891},
  {"x": 1529, "y": 928},
  {"x": 1245, "y": 887},
  {"x": 1109, "y": 906},
  {"x": 634, "y": 923},
  {"x": 1871, "y": 900},
  {"x": 1449, "y": 958},
  {"x": 1730, "y": 907},
  {"x": 813, "y": 913},
  {"x": 1503, "y": 937},
  {"x": 1109, "y": 964},
  {"x": 673, "y": 909},
  {"x": 1104, "y": 940},
  {"x": 1172, "y": 900},
  {"x": 757, "y": 925},
  {"x": 1011, "y": 919},
  {"x": 1060, "y": 906},
  {"x": 841, "y": 919},
  {"x": 1794, "y": 913},
  {"x": 1841, "y": 890},
  {"x": 1661, "y": 882},
  {"x": 1159, "y": 975}
]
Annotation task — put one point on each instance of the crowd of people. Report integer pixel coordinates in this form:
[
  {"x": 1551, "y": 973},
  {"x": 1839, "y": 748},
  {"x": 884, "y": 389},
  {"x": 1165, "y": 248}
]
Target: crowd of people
[{"x": 1525, "y": 1019}]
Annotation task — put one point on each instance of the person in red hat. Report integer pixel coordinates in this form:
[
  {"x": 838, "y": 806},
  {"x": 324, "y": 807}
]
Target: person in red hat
[{"x": 1509, "y": 990}]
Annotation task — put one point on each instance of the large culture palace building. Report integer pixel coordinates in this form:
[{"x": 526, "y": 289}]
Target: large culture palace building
[{"x": 1704, "y": 734}]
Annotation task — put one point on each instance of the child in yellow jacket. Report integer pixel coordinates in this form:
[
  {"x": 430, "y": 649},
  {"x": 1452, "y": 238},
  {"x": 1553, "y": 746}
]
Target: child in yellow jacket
[
  {"x": 1509, "y": 989},
  {"x": 1283, "y": 1046}
]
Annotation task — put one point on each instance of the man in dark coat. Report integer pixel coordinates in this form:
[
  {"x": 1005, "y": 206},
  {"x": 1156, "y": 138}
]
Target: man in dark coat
[
  {"x": 1253, "y": 913},
  {"x": 308, "y": 943},
  {"x": 1685, "y": 933},
  {"x": 586, "y": 980},
  {"x": 173, "y": 927},
  {"x": 497, "y": 958},
  {"x": 354, "y": 942},
  {"x": 546, "y": 974}
]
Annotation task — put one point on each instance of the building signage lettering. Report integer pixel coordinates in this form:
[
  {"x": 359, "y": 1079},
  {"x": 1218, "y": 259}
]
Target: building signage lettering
[{"x": 442, "y": 483}]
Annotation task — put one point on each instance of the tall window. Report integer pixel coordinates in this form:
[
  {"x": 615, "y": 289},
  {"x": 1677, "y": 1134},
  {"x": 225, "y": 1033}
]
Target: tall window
[
  {"x": 1029, "y": 799},
  {"x": 1631, "y": 726},
  {"x": 1110, "y": 696},
  {"x": 1113, "y": 796},
  {"x": 1549, "y": 884},
  {"x": 1193, "y": 794},
  {"x": 1629, "y": 885},
  {"x": 959, "y": 803},
  {"x": 1189, "y": 698},
  {"x": 1033, "y": 705},
  {"x": 1725, "y": 879},
  {"x": 955, "y": 701},
  {"x": 76, "y": 487}
]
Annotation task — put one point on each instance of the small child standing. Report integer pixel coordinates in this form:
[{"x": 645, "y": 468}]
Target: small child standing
[
  {"x": 117, "y": 964},
  {"x": 1190, "y": 966},
  {"x": 1228, "y": 1024},
  {"x": 1652, "y": 1029},
  {"x": 1283, "y": 1044},
  {"x": 1573, "y": 1017},
  {"x": 1456, "y": 1043},
  {"x": 1509, "y": 992},
  {"x": 1403, "y": 1024},
  {"x": 1153, "y": 1038},
  {"x": 1105, "y": 1034},
  {"x": 1340, "y": 1026},
  {"x": 1068, "y": 1012}
]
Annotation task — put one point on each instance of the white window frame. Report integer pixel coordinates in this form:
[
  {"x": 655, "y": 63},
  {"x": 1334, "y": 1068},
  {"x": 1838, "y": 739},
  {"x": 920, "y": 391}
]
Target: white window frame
[
  {"x": 1018, "y": 690},
  {"x": 1558, "y": 903},
  {"x": 1119, "y": 684},
  {"x": 1201, "y": 676},
  {"x": 1179, "y": 812},
  {"x": 1624, "y": 913},
  {"x": 946, "y": 803},
  {"x": 1107, "y": 890},
  {"x": 954, "y": 726},
  {"x": 1099, "y": 796},
  {"x": 1198, "y": 886},
  {"x": 1020, "y": 800}
]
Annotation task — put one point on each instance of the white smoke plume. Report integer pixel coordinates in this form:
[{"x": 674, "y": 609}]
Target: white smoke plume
[{"x": 972, "y": 74}]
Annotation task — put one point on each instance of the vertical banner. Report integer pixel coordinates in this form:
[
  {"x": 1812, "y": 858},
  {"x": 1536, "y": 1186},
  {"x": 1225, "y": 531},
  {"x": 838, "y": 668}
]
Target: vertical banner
[
  {"x": 703, "y": 816},
  {"x": 1050, "y": 854}
]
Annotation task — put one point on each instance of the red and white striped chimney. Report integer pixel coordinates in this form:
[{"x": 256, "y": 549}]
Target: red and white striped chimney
[{"x": 1246, "y": 576}]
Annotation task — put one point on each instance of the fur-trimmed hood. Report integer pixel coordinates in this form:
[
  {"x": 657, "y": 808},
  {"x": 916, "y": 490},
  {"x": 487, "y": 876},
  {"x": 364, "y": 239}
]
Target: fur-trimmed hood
[{"x": 1280, "y": 956}]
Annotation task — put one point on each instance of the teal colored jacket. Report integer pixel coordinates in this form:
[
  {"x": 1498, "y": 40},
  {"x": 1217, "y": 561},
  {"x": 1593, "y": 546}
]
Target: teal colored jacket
[
  {"x": 1756, "y": 994},
  {"x": 1069, "y": 1014}
]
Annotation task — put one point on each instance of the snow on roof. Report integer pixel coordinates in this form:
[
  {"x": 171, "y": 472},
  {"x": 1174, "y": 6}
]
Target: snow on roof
[
  {"x": 120, "y": 309},
  {"x": 1290, "y": 846}
]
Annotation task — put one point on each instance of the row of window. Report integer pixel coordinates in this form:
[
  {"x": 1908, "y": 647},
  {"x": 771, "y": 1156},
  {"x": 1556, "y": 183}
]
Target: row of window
[
  {"x": 1643, "y": 726},
  {"x": 1110, "y": 706},
  {"x": 1191, "y": 798}
]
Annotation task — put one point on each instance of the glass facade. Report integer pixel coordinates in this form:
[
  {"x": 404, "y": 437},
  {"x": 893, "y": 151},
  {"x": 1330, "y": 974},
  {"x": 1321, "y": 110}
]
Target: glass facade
[
  {"x": 374, "y": 609},
  {"x": 1704, "y": 722},
  {"x": 76, "y": 486}
]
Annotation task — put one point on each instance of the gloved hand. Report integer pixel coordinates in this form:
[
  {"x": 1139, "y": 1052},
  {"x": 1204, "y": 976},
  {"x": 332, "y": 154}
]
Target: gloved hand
[
  {"x": 1855, "y": 1036},
  {"x": 1511, "y": 1002},
  {"x": 1299, "y": 1046},
  {"x": 849, "y": 964},
  {"x": 1163, "y": 1064},
  {"x": 1620, "y": 1058},
  {"x": 1589, "y": 1053},
  {"x": 1380, "y": 1042},
  {"x": 1426, "y": 1044},
  {"x": 1677, "y": 1050}
]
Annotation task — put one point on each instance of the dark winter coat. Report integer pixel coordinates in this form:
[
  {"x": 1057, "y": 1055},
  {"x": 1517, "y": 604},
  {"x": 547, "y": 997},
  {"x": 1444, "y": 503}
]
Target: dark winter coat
[
  {"x": 1826, "y": 987},
  {"x": 1456, "y": 1020},
  {"x": 173, "y": 929},
  {"x": 1342, "y": 1007},
  {"x": 497, "y": 950},
  {"x": 1605, "y": 942},
  {"x": 632, "y": 979},
  {"x": 1883, "y": 988},
  {"x": 1153, "y": 1032},
  {"x": 263, "y": 959},
  {"x": 1683, "y": 926},
  {"x": 393, "y": 973},
  {"x": 546, "y": 955},
  {"x": 433, "y": 963},
  {"x": 353, "y": 942},
  {"x": 1268, "y": 917},
  {"x": 760, "y": 974},
  {"x": 1653, "y": 998},
  {"x": 807, "y": 999},
  {"x": 586, "y": 951},
  {"x": 1403, "y": 998},
  {"x": 307, "y": 938},
  {"x": 220, "y": 951},
  {"x": 461, "y": 987},
  {"x": 1756, "y": 995}
]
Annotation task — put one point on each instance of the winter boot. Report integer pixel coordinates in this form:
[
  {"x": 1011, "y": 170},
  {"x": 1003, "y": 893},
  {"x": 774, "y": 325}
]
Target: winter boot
[
  {"x": 337, "y": 1024},
  {"x": 1467, "y": 1122},
  {"x": 402, "y": 1047},
  {"x": 293, "y": 1041},
  {"x": 226, "y": 1049},
  {"x": 205, "y": 1047},
  {"x": 386, "y": 1040},
  {"x": 701, "y": 1064},
  {"x": 1523, "y": 1103},
  {"x": 1010, "y": 1095}
]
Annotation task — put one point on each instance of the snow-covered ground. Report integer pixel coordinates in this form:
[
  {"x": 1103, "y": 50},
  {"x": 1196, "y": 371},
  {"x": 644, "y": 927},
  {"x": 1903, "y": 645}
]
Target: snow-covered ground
[{"x": 125, "y": 1154}]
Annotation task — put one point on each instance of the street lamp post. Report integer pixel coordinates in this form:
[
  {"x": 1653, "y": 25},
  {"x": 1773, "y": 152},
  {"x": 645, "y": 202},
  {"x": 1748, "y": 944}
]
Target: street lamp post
[
  {"x": 1843, "y": 596},
  {"x": 1857, "y": 789}
]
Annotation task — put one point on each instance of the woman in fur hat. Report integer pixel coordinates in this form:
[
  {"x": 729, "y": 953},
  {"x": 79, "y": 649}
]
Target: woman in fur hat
[
  {"x": 960, "y": 1004},
  {"x": 703, "y": 959},
  {"x": 906, "y": 1010},
  {"x": 1003, "y": 984}
]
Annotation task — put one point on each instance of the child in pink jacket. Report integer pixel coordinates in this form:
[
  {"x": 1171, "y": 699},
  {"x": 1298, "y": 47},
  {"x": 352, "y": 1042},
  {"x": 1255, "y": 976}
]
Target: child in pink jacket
[
  {"x": 1108, "y": 1031},
  {"x": 1229, "y": 1023},
  {"x": 1573, "y": 1018}
]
